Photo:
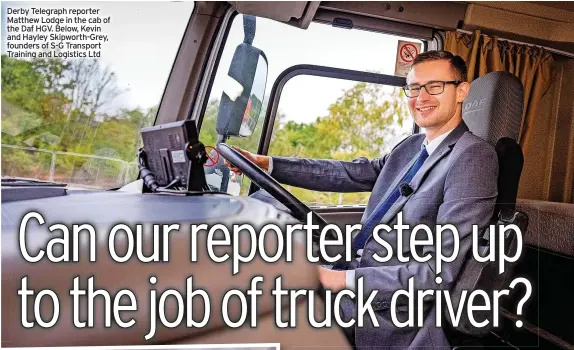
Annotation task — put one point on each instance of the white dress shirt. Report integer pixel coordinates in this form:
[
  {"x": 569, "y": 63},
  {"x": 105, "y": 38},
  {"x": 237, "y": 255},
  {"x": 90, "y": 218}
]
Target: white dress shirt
[{"x": 270, "y": 168}]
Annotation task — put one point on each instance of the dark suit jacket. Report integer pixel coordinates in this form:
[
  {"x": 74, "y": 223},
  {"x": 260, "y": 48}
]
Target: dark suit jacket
[{"x": 456, "y": 185}]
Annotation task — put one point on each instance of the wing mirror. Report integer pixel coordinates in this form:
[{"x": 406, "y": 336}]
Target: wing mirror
[{"x": 242, "y": 97}]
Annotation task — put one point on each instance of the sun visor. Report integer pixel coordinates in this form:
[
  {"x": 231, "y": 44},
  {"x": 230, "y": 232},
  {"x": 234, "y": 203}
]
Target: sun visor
[{"x": 297, "y": 13}]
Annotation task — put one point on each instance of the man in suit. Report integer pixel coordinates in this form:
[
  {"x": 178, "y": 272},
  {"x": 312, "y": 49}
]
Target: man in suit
[{"x": 445, "y": 175}]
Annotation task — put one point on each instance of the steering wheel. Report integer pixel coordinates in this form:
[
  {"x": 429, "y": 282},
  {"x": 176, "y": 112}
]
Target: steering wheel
[{"x": 298, "y": 209}]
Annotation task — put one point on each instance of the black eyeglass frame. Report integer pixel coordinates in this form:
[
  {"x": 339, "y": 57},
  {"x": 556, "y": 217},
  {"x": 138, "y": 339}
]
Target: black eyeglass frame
[{"x": 454, "y": 82}]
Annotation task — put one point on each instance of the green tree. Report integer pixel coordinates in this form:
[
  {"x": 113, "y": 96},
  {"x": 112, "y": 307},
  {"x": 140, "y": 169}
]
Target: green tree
[
  {"x": 56, "y": 105},
  {"x": 363, "y": 122}
]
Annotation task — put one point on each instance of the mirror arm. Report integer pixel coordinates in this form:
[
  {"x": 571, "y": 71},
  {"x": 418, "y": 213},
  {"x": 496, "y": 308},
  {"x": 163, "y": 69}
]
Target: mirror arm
[
  {"x": 225, "y": 172},
  {"x": 249, "y": 29},
  {"x": 221, "y": 139}
]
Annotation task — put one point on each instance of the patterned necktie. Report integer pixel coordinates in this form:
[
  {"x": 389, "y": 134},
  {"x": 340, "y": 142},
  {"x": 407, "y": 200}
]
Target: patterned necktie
[{"x": 382, "y": 209}]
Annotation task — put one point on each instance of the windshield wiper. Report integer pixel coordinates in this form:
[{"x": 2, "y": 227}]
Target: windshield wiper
[{"x": 22, "y": 181}]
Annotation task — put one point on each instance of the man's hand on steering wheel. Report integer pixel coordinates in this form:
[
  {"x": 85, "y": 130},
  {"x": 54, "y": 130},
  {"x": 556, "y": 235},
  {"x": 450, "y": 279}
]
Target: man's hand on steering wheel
[
  {"x": 257, "y": 159},
  {"x": 253, "y": 167}
]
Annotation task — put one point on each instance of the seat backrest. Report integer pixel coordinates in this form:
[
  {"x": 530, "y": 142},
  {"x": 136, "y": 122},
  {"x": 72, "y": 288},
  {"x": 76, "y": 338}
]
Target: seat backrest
[
  {"x": 493, "y": 108},
  {"x": 493, "y": 111}
]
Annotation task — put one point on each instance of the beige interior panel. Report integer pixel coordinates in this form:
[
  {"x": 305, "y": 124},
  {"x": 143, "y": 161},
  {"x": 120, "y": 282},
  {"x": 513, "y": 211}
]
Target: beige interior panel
[
  {"x": 185, "y": 78},
  {"x": 559, "y": 11},
  {"x": 437, "y": 14},
  {"x": 550, "y": 225},
  {"x": 374, "y": 24},
  {"x": 518, "y": 20},
  {"x": 297, "y": 13}
]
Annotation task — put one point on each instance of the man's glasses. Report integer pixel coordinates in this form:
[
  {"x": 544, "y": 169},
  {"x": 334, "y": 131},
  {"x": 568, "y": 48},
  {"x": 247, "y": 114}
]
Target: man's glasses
[{"x": 432, "y": 88}]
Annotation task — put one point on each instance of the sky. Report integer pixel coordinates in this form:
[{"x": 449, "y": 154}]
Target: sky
[
  {"x": 143, "y": 41},
  {"x": 306, "y": 97},
  {"x": 145, "y": 36}
]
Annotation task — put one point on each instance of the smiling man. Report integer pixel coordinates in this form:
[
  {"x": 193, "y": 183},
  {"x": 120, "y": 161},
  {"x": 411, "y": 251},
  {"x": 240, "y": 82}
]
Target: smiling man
[{"x": 445, "y": 175}]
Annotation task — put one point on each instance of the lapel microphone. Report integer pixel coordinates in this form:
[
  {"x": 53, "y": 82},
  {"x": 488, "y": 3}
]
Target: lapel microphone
[{"x": 406, "y": 190}]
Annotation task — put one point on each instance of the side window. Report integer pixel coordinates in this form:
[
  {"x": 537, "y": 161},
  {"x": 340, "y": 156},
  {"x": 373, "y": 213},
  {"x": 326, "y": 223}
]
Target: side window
[
  {"x": 74, "y": 115},
  {"x": 306, "y": 124},
  {"x": 327, "y": 118}
]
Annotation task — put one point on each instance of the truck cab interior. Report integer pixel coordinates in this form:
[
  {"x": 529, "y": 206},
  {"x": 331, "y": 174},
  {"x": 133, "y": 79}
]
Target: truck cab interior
[{"x": 520, "y": 57}]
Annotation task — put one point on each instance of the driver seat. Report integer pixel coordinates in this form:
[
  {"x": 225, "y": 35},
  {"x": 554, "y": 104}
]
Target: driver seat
[{"x": 493, "y": 111}]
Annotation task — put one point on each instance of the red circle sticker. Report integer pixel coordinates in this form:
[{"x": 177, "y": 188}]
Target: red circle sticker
[
  {"x": 408, "y": 52},
  {"x": 212, "y": 156}
]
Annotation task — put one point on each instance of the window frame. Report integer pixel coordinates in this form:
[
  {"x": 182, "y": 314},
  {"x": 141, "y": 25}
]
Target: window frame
[
  {"x": 197, "y": 111},
  {"x": 187, "y": 88},
  {"x": 219, "y": 40},
  {"x": 211, "y": 65},
  {"x": 317, "y": 71}
]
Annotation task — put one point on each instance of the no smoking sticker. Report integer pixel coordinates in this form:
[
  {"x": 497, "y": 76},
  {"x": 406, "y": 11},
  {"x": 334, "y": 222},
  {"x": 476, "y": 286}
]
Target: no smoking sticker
[{"x": 406, "y": 53}]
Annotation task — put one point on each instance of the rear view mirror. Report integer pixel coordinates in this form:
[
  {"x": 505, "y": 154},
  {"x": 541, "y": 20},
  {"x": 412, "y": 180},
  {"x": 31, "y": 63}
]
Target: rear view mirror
[{"x": 242, "y": 98}]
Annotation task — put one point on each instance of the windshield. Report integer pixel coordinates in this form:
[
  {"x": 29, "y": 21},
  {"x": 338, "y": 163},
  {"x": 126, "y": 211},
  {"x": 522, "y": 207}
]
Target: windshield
[
  {"x": 316, "y": 117},
  {"x": 73, "y": 105}
]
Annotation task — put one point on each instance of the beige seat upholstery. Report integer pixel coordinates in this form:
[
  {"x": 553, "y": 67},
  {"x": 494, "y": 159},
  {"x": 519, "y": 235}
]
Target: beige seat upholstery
[
  {"x": 216, "y": 278},
  {"x": 551, "y": 225}
]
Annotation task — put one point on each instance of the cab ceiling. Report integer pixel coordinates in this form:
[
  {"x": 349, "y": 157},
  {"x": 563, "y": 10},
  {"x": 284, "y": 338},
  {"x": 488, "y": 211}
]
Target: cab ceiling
[
  {"x": 545, "y": 23},
  {"x": 548, "y": 24}
]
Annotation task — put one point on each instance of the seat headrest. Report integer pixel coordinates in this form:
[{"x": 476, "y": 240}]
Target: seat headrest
[{"x": 493, "y": 107}]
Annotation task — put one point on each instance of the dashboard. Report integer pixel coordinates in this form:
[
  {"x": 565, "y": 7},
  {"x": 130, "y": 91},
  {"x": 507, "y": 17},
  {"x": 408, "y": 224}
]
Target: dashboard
[{"x": 105, "y": 209}]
